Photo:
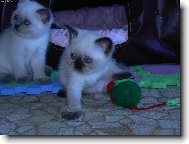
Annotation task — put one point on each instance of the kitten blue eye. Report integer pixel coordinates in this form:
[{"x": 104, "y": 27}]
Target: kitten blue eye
[
  {"x": 26, "y": 22},
  {"x": 87, "y": 59},
  {"x": 15, "y": 17},
  {"x": 73, "y": 56}
]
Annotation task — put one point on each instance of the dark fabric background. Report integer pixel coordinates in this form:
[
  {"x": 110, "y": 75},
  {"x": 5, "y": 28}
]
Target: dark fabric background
[{"x": 154, "y": 33}]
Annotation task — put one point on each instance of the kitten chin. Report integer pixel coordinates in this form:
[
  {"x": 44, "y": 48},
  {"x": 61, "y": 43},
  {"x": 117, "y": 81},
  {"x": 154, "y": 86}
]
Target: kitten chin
[{"x": 86, "y": 67}]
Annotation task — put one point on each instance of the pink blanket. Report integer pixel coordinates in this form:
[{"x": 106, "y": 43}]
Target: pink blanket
[{"x": 60, "y": 37}]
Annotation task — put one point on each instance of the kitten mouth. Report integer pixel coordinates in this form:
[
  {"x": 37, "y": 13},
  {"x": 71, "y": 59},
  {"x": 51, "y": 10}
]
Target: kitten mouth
[
  {"x": 78, "y": 65},
  {"x": 16, "y": 29},
  {"x": 77, "y": 69}
]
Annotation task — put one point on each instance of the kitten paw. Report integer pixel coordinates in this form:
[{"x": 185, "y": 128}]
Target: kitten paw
[
  {"x": 71, "y": 115},
  {"x": 61, "y": 93},
  {"x": 23, "y": 79},
  {"x": 7, "y": 78},
  {"x": 42, "y": 80}
]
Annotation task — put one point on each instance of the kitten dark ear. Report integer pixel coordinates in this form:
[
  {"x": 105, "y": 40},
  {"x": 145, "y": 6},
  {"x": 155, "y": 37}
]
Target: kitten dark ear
[
  {"x": 44, "y": 14},
  {"x": 105, "y": 43},
  {"x": 73, "y": 33}
]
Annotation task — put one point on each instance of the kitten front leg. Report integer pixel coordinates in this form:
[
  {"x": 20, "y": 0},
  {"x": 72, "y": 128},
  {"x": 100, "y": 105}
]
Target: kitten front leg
[
  {"x": 19, "y": 69},
  {"x": 38, "y": 66},
  {"x": 73, "y": 91}
]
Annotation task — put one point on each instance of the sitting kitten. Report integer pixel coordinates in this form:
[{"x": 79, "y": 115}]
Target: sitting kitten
[
  {"x": 86, "y": 67},
  {"x": 23, "y": 45}
]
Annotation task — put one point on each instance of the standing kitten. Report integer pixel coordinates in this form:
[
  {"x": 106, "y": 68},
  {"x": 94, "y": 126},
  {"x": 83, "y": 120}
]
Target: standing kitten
[
  {"x": 86, "y": 67},
  {"x": 23, "y": 45}
]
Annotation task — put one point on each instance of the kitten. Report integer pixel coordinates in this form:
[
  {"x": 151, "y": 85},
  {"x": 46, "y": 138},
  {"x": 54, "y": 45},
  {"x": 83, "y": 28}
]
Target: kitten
[
  {"x": 86, "y": 67},
  {"x": 23, "y": 45}
]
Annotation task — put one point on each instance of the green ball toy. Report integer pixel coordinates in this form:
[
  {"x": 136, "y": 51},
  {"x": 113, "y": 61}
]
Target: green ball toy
[{"x": 124, "y": 92}]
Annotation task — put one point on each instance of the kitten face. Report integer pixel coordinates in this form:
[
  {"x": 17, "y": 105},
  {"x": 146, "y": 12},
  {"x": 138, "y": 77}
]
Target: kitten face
[
  {"x": 30, "y": 19},
  {"x": 87, "y": 52}
]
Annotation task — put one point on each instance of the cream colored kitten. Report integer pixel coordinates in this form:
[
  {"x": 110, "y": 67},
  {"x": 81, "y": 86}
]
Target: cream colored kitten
[
  {"x": 23, "y": 45},
  {"x": 86, "y": 67}
]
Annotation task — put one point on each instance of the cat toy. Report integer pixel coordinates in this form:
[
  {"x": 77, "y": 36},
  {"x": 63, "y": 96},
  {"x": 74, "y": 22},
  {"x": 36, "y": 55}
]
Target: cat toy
[{"x": 127, "y": 93}]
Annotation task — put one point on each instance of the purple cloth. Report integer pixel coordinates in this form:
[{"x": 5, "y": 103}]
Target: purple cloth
[
  {"x": 107, "y": 17},
  {"x": 162, "y": 69}
]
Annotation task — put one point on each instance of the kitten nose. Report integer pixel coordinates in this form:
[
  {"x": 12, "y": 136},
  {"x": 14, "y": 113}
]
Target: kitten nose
[
  {"x": 78, "y": 64},
  {"x": 16, "y": 26}
]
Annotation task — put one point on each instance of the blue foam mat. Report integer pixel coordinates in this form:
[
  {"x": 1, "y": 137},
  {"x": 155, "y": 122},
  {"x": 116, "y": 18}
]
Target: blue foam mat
[{"x": 31, "y": 88}]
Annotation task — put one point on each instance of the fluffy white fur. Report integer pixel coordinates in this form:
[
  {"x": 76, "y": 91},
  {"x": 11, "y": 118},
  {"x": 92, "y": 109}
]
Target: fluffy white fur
[
  {"x": 24, "y": 50},
  {"x": 93, "y": 79}
]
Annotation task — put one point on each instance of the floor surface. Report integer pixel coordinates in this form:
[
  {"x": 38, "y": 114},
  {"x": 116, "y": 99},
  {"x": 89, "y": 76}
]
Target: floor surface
[{"x": 41, "y": 115}]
